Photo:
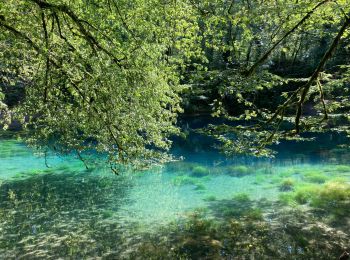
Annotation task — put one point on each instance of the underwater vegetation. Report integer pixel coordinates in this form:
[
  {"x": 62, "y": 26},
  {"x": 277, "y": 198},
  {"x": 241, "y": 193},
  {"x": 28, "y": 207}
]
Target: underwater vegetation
[
  {"x": 268, "y": 212},
  {"x": 238, "y": 170},
  {"x": 210, "y": 198},
  {"x": 200, "y": 187},
  {"x": 315, "y": 177},
  {"x": 184, "y": 180},
  {"x": 239, "y": 207},
  {"x": 187, "y": 180},
  {"x": 342, "y": 168},
  {"x": 259, "y": 178},
  {"x": 241, "y": 197},
  {"x": 287, "y": 185},
  {"x": 200, "y": 171},
  {"x": 305, "y": 193},
  {"x": 79, "y": 203},
  {"x": 334, "y": 198},
  {"x": 288, "y": 236}
]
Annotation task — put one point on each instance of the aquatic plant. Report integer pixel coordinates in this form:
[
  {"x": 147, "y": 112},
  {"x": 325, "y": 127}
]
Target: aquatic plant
[
  {"x": 260, "y": 178},
  {"x": 64, "y": 210},
  {"x": 334, "y": 197},
  {"x": 180, "y": 166},
  {"x": 274, "y": 179},
  {"x": 288, "y": 171},
  {"x": 184, "y": 180},
  {"x": 200, "y": 171},
  {"x": 238, "y": 170},
  {"x": 200, "y": 187},
  {"x": 287, "y": 199},
  {"x": 254, "y": 214},
  {"x": 210, "y": 198},
  {"x": 315, "y": 177},
  {"x": 305, "y": 194},
  {"x": 342, "y": 168},
  {"x": 241, "y": 197},
  {"x": 107, "y": 213},
  {"x": 287, "y": 185}
]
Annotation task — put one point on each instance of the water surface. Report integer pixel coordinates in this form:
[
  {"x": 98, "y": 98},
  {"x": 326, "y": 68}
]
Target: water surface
[{"x": 67, "y": 211}]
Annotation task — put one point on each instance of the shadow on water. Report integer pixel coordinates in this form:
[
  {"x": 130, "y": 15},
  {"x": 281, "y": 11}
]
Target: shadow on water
[
  {"x": 245, "y": 233},
  {"x": 241, "y": 206},
  {"x": 65, "y": 214}
]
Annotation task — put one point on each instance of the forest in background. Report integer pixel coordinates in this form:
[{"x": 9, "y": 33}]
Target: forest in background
[{"x": 113, "y": 76}]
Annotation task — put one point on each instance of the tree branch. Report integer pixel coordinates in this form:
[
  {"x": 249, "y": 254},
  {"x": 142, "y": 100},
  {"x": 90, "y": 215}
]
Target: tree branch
[
  {"x": 79, "y": 23},
  {"x": 315, "y": 75},
  {"x": 267, "y": 54}
]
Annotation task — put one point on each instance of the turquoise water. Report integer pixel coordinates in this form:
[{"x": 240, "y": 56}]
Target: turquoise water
[{"x": 203, "y": 207}]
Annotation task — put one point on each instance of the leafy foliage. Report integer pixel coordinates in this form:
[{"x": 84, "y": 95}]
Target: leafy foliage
[
  {"x": 98, "y": 74},
  {"x": 107, "y": 75}
]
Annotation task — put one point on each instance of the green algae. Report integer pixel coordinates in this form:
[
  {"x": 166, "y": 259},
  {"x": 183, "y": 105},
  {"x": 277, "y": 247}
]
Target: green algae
[
  {"x": 107, "y": 214},
  {"x": 342, "y": 168},
  {"x": 241, "y": 197},
  {"x": 259, "y": 179},
  {"x": 334, "y": 197},
  {"x": 275, "y": 179},
  {"x": 288, "y": 171},
  {"x": 200, "y": 187},
  {"x": 184, "y": 180},
  {"x": 254, "y": 214},
  {"x": 210, "y": 198},
  {"x": 287, "y": 184},
  {"x": 287, "y": 199},
  {"x": 238, "y": 170},
  {"x": 315, "y": 177},
  {"x": 200, "y": 171},
  {"x": 305, "y": 193}
]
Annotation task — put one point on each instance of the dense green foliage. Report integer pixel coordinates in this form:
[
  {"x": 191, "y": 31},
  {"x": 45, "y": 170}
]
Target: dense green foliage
[
  {"x": 277, "y": 68},
  {"x": 96, "y": 72},
  {"x": 109, "y": 75}
]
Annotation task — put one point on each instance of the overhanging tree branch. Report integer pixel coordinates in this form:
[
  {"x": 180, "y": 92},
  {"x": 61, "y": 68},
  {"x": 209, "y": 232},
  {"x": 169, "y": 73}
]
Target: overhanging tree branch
[
  {"x": 79, "y": 23},
  {"x": 31, "y": 43},
  {"x": 315, "y": 75},
  {"x": 267, "y": 54}
]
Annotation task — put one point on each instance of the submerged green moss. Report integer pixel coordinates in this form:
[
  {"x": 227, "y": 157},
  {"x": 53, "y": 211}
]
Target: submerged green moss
[
  {"x": 254, "y": 214},
  {"x": 288, "y": 171},
  {"x": 200, "y": 171},
  {"x": 200, "y": 187},
  {"x": 184, "y": 180},
  {"x": 315, "y": 177},
  {"x": 287, "y": 199},
  {"x": 334, "y": 197},
  {"x": 238, "y": 170},
  {"x": 259, "y": 179},
  {"x": 287, "y": 185},
  {"x": 241, "y": 197},
  {"x": 275, "y": 179},
  {"x": 210, "y": 198},
  {"x": 342, "y": 168},
  {"x": 304, "y": 194},
  {"x": 107, "y": 214}
]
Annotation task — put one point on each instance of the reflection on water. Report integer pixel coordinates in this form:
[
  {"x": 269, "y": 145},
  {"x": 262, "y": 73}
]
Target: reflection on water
[{"x": 204, "y": 207}]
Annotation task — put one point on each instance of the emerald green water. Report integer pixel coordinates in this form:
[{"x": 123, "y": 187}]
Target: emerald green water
[{"x": 204, "y": 207}]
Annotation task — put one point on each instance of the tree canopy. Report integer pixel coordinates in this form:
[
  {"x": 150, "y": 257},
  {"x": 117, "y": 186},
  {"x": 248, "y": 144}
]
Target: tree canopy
[{"x": 110, "y": 75}]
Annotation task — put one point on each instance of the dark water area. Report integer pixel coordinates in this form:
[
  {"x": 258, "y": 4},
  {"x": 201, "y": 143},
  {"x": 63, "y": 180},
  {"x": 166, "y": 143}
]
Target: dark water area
[
  {"x": 322, "y": 147},
  {"x": 206, "y": 206}
]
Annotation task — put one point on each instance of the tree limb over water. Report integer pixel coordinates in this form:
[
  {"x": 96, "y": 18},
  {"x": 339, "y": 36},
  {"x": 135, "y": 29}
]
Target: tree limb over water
[{"x": 113, "y": 76}]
